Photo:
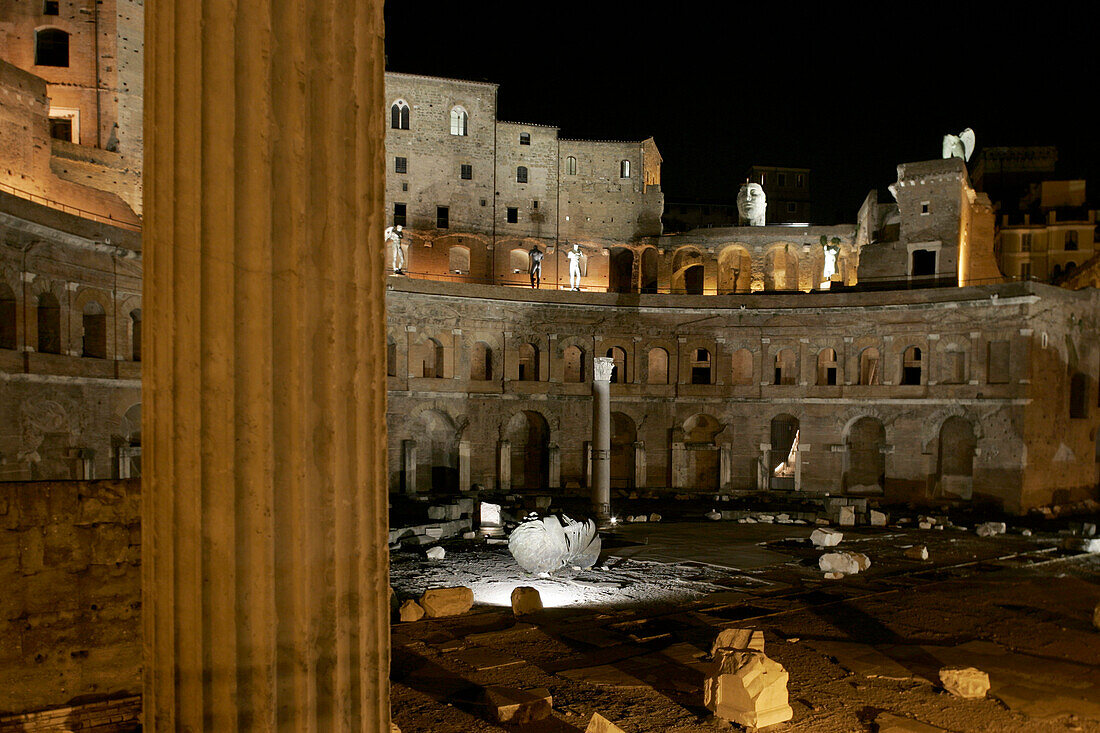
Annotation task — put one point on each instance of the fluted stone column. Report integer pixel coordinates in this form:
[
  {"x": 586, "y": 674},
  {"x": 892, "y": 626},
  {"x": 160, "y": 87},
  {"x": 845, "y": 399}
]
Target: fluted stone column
[
  {"x": 265, "y": 600},
  {"x": 408, "y": 465},
  {"x": 601, "y": 438}
]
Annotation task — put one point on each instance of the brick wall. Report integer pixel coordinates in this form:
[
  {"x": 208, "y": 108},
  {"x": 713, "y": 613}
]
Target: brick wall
[{"x": 70, "y": 565}]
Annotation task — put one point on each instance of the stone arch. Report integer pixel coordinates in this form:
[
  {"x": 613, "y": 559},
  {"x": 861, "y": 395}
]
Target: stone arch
[
  {"x": 528, "y": 362},
  {"x": 621, "y": 373},
  {"x": 528, "y": 432},
  {"x": 657, "y": 362},
  {"x": 865, "y": 438},
  {"x": 649, "y": 269},
  {"x": 574, "y": 363},
  {"x": 519, "y": 262},
  {"x": 701, "y": 461},
  {"x": 624, "y": 434},
  {"x": 734, "y": 270},
  {"x": 956, "y": 447},
  {"x": 870, "y": 366},
  {"x": 481, "y": 362},
  {"x": 784, "y": 430},
  {"x": 780, "y": 268},
  {"x": 430, "y": 357},
  {"x": 436, "y": 450},
  {"x": 912, "y": 365},
  {"x": 688, "y": 270}
]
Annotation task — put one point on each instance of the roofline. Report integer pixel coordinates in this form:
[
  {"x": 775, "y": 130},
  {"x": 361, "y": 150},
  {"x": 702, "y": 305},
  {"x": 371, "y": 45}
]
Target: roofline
[{"x": 443, "y": 78}]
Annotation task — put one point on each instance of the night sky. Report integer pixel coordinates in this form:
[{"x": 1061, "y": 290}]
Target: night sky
[{"x": 849, "y": 95}]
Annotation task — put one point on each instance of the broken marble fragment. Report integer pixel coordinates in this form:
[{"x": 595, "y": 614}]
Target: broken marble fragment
[
  {"x": 844, "y": 561},
  {"x": 826, "y": 537},
  {"x": 967, "y": 682},
  {"x": 734, "y": 639},
  {"x": 989, "y": 529},
  {"x": 748, "y": 688},
  {"x": 516, "y": 706},
  {"x": 600, "y": 724},
  {"x": 436, "y": 553},
  {"x": 525, "y": 599},
  {"x": 545, "y": 545},
  {"x": 411, "y": 611},
  {"x": 439, "y": 602},
  {"x": 919, "y": 552}
]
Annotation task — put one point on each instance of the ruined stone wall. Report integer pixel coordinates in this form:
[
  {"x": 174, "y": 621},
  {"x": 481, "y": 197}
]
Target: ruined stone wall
[
  {"x": 687, "y": 431},
  {"x": 70, "y": 564},
  {"x": 601, "y": 204}
]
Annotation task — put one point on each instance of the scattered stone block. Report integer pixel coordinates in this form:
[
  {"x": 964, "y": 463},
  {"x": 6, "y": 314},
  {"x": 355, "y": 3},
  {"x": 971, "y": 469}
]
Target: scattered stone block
[
  {"x": 465, "y": 505},
  {"x": 782, "y": 518},
  {"x": 439, "y": 602},
  {"x": 600, "y": 724},
  {"x": 734, "y": 639},
  {"x": 525, "y": 599},
  {"x": 878, "y": 519},
  {"x": 434, "y": 532},
  {"x": 833, "y": 576},
  {"x": 1025, "y": 532},
  {"x": 966, "y": 682},
  {"x": 1088, "y": 529},
  {"x": 729, "y": 514},
  {"x": 655, "y": 517},
  {"x": 516, "y": 706},
  {"x": 920, "y": 552},
  {"x": 469, "y": 535},
  {"x": 847, "y": 516},
  {"x": 437, "y": 512},
  {"x": 640, "y": 518},
  {"x": 1081, "y": 544},
  {"x": 989, "y": 529},
  {"x": 497, "y": 541},
  {"x": 748, "y": 688},
  {"x": 826, "y": 537},
  {"x": 436, "y": 553},
  {"x": 488, "y": 514},
  {"x": 765, "y": 518},
  {"x": 821, "y": 522},
  {"x": 925, "y": 524},
  {"x": 411, "y": 611},
  {"x": 714, "y": 515},
  {"x": 844, "y": 561}
]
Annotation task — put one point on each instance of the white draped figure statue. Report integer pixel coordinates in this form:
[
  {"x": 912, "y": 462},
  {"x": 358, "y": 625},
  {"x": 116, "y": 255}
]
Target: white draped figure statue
[
  {"x": 752, "y": 204},
  {"x": 831, "y": 253},
  {"x": 574, "y": 256},
  {"x": 393, "y": 237},
  {"x": 959, "y": 146}
]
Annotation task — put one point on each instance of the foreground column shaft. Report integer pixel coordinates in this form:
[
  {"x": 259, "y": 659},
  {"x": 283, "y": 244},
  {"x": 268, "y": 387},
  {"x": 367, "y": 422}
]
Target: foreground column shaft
[
  {"x": 265, "y": 597},
  {"x": 601, "y": 438}
]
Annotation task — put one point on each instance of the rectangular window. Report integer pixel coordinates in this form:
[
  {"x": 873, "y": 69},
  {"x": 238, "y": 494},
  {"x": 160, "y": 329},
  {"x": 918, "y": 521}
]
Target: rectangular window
[
  {"x": 50, "y": 7},
  {"x": 442, "y": 217},
  {"x": 467, "y": 172},
  {"x": 61, "y": 128},
  {"x": 782, "y": 179},
  {"x": 998, "y": 362},
  {"x": 399, "y": 215},
  {"x": 483, "y": 202},
  {"x": 1025, "y": 270},
  {"x": 1025, "y": 242},
  {"x": 800, "y": 180},
  {"x": 524, "y": 138},
  {"x": 400, "y": 165},
  {"x": 1071, "y": 240},
  {"x": 404, "y": 186},
  {"x": 535, "y": 204},
  {"x": 513, "y": 215},
  {"x": 924, "y": 206},
  {"x": 521, "y": 174}
]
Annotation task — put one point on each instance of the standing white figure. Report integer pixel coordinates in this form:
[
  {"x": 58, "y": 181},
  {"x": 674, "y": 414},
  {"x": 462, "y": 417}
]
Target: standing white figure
[
  {"x": 831, "y": 253},
  {"x": 393, "y": 236},
  {"x": 574, "y": 256}
]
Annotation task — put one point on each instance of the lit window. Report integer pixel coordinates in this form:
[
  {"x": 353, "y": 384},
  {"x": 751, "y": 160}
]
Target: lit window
[
  {"x": 467, "y": 172},
  {"x": 524, "y": 138},
  {"x": 571, "y": 166},
  {"x": 513, "y": 215},
  {"x": 400, "y": 165},
  {"x": 459, "y": 120},
  {"x": 624, "y": 169},
  {"x": 521, "y": 174},
  {"x": 399, "y": 115},
  {"x": 1025, "y": 270},
  {"x": 51, "y": 47},
  {"x": 442, "y": 217},
  {"x": 800, "y": 180}
]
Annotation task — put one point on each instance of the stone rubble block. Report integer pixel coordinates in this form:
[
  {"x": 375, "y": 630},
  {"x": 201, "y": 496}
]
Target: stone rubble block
[
  {"x": 517, "y": 706},
  {"x": 640, "y": 518},
  {"x": 655, "y": 517},
  {"x": 878, "y": 519},
  {"x": 737, "y": 639},
  {"x": 729, "y": 514},
  {"x": 1081, "y": 544},
  {"x": 437, "y": 512},
  {"x": 844, "y": 561},
  {"x": 847, "y": 516},
  {"x": 765, "y": 518},
  {"x": 826, "y": 537},
  {"x": 465, "y": 505},
  {"x": 1088, "y": 529},
  {"x": 1096, "y": 617},
  {"x": 926, "y": 524},
  {"x": 525, "y": 600},
  {"x": 747, "y": 688},
  {"x": 989, "y": 529},
  {"x": 410, "y": 611},
  {"x": 600, "y": 724},
  {"x": 966, "y": 682},
  {"x": 920, "y": 552},
  {"x": 439, "y": 602},
  {"x": 436, "y": 553},
  {"x": 833, "y": 576}
]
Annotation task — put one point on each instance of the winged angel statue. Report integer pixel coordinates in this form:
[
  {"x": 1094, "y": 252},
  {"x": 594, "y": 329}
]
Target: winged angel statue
[{"x": 959, "y": 146}]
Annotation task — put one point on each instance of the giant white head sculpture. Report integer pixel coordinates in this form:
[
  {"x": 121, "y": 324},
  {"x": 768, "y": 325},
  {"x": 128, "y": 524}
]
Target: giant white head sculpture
[{"x": 751, "y": 205}]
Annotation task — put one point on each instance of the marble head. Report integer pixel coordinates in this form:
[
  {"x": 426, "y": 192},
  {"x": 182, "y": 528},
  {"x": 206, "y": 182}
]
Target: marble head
[{"x": 751, "y": 205}]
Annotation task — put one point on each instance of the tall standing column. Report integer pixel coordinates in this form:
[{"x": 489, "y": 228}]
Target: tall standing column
[
  {"x": 265, "y": 601},
  {"x": 601, "y": 438}
]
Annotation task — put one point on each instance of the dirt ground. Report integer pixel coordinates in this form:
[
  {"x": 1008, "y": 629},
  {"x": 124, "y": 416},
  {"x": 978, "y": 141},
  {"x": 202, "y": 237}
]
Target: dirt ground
[{"x": 629, "y": 638}]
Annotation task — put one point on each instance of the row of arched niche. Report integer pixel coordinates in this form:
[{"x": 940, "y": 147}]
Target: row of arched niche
[
  {"x": 46, "y": 333},
  {"x": 530, "y": 437}
]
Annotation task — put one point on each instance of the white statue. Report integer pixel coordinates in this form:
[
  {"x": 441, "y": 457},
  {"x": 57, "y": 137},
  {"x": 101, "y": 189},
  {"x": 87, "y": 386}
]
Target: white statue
[
  {"x": 959, "y": 146},
  {"x": 542, "y": 546},
  {"x": 574, "y": 256},
  {"x": 831, "y": 253},
  {"x": 751, "y": 204},
  {"x": 393, "y": 236}
]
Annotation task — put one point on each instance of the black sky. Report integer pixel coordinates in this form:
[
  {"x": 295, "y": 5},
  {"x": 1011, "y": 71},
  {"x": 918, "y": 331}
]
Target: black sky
[{"x": 849, "y": 93}]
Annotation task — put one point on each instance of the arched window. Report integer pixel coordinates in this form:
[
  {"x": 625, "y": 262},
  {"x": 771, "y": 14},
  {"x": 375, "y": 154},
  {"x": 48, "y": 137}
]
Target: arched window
[
  {"x": 1079, "y": 396},
  {"x": 742, "y": 367},
  {"x": 868, "y": 366},
  {"x": 51, "y": 47},
  {"x": 786, "y": 367},
  {"x": 7, "y": 317},
  {"x": 658, "y": 366},
  {"x": 399, "y": 115},
  {"x": 519, "y": 261},
  {"x": 911, "y": 363},
  {"x": 700, "y": 367},
  {"x": 574, "y": 364},
  {"x": 49, "y": 324},
  {"x": 459, "y": 120},
  {"x": 618, "y": 375},
  {"x": 826, "y": 368},
  {"x": 521, "y": 174},
  {"x": 458, "y": 260},
  {"x": 624, "y": 169},
  {"x": 570, "y": 166},
  {"x": 95, "y": 331},
  {"x": 481, "y": 362},
  {"x": 528, "y": 363},
  {"x": 135, "y": 334}
]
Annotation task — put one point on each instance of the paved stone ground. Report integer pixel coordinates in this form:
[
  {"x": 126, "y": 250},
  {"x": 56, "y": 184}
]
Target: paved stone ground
[{"x": 627, "y": 639}]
